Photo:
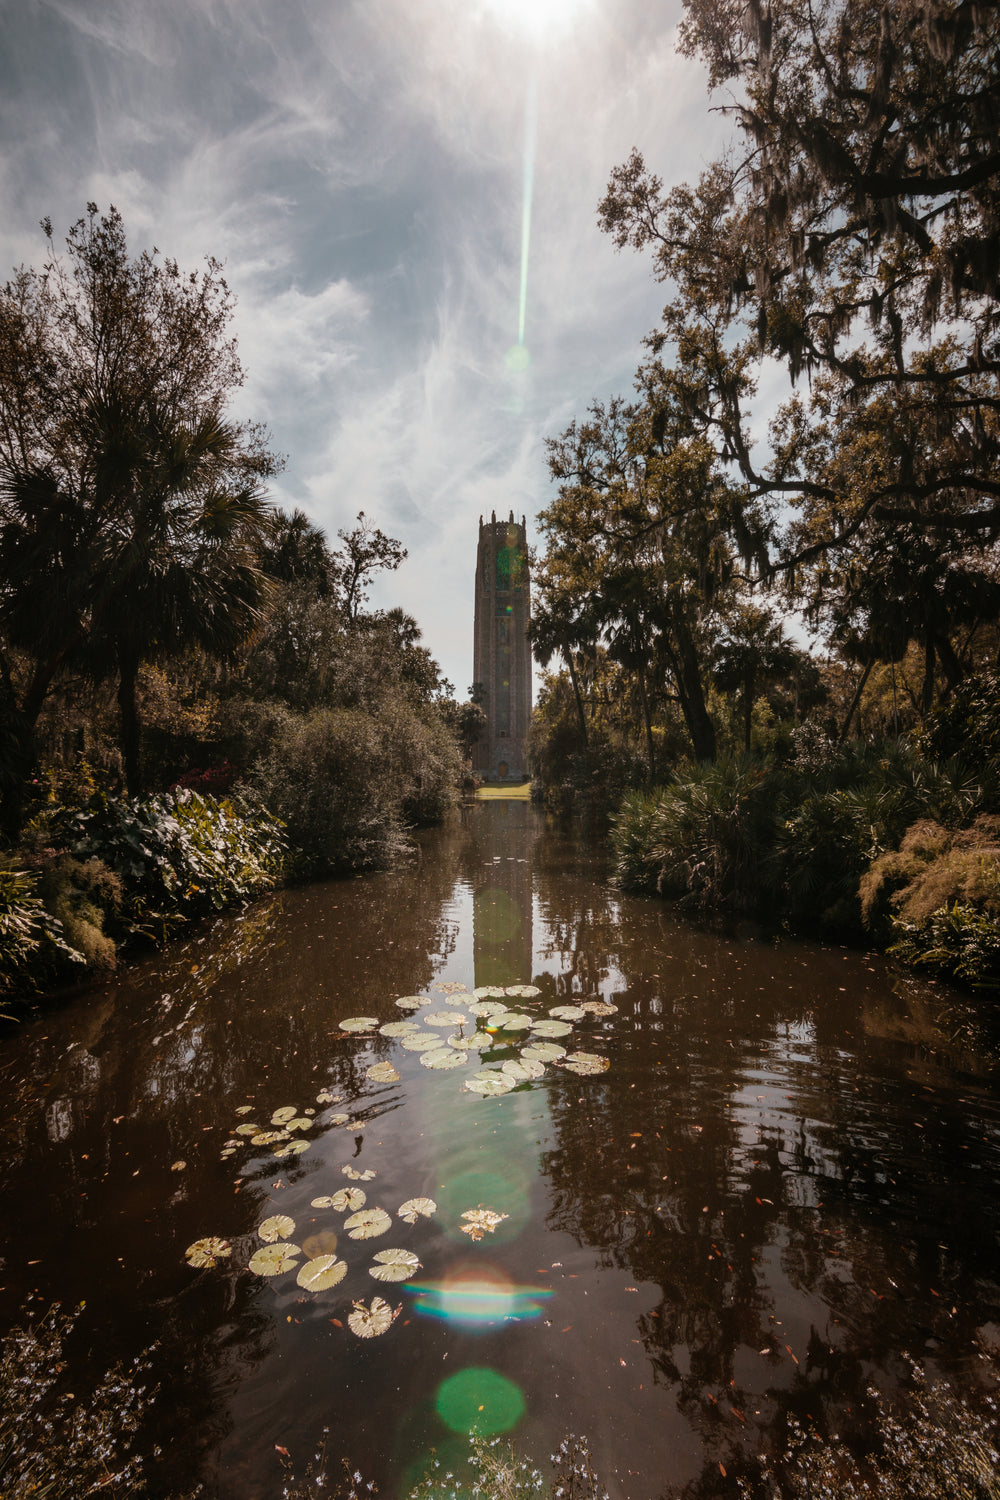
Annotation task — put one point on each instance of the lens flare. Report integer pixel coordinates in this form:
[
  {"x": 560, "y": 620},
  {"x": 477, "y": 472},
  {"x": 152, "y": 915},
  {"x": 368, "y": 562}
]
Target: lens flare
[
  {"x": 479, "y": 1400},
  {"x": 478, "y": 1296}
]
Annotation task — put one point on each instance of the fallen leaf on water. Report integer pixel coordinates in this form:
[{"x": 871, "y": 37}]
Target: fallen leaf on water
[
  {"x": 178, "y": 1166},
  {"x": 356, "y": 1176},
  {"x": 481, "y": 1221}
]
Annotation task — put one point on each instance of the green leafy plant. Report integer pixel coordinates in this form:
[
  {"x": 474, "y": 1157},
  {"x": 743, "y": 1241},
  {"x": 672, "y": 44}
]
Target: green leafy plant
[{"x": 33, "y": 943}]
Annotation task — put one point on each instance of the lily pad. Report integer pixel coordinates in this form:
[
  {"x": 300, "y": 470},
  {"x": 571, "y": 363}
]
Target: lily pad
[
  {"x": 416, "y": 1208},
  {"x": 483, "y": 1007},
  {"x": 399, "y": 1028},
  {"x": 274, "y": 1259},
  {"x": 368, "y": 1224},
  {"x": 323, "y": 1272},
  {"x": 369, "y": 1322},
  {"x": 451, "y": 987},
  {"x": 544, "y": 1052},
  {"x": 394, "y": 1265},
  {"x": 382, "y": 1072},
  {"x": 325, "y": 1097},
  {"x": 248, "y": 1129},
  {"x": 526, "y": 991},
  {"x": 443, "y": 1057},
  {"x": 489, "y": 992},
  {"x": 512, "y": 1020},
  {"x": 551, "y": 1028},
  {"x": 293, "y": 1148},
  {"x": 298, "y": 1122},
  {"x": 412, "y": 1002},
  {"x": 496, "y": 1016},
  {"x": 445, "y": 1018},
  {"x": 267, "y": 1137},
  {"x": 338, "y": 1119},
  {"x": 481, "y": 1221},
  {"x": 522, "y": 1070},
  {"x": 586, "y": 1063},
  {"x": 284, "y": 1114},
  {"x": 600, "y": 1007},
  {"x": 366, "y": 1176},
  {"x": 207, "y": 1251},
  {"x": 359, "y": 1023},
  {"x": 346, "y": 1198},
  {"x": 278, "y": 1227},
  {"x": 489, "y": 1082},
  {"x": 244, "y": 1109},
  {"x": 567, "y": 1012},
  {"x": 473, "y": 1043},
  {"x": 420, "y": 1041}
]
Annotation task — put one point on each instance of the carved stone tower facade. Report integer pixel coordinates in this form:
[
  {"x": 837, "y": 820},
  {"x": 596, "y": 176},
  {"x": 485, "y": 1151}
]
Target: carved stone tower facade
[{"x": 502, "y": 655}]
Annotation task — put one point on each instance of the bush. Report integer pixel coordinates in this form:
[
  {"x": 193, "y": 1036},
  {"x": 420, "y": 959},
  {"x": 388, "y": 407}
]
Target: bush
[
  {"x": 178, "y": 855},
  {"x": 33, "y": 943}
]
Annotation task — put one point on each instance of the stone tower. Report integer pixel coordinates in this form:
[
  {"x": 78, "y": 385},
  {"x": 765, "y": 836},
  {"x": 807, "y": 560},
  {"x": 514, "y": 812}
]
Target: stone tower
[{"x": 502, "y": 655}]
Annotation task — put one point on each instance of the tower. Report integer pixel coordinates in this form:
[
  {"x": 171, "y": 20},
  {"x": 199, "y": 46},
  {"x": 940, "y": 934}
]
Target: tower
[{"x": 502, "y": 654}]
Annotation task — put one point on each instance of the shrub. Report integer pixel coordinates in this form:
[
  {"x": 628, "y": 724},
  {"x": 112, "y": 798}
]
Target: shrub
[
  {"x": 33, "y": 944},
  {"x": 179, "y": 855}
]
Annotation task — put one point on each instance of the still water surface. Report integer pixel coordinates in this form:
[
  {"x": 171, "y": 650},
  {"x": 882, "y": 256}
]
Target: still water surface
[{"x": 788, "y": 1176}]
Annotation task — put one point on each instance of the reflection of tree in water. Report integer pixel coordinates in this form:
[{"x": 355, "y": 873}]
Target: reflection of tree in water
[{"x": 804, "y": 1220}]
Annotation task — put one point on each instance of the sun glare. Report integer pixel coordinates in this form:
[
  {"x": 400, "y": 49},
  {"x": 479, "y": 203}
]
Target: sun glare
[{"x": 539, "y": 18}]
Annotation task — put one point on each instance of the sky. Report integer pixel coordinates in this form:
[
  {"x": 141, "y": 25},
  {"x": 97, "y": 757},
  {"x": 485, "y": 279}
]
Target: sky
[{"x": 362, "y": 169}]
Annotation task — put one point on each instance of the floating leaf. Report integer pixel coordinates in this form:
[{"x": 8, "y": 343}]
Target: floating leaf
[
  {"x": 496, "y": 1017},
  {"x": 368, "y": 1224},
  {"x": 323, "y": 1242},
  {"x": 323, "y": 1272},
  {"x": 266, "y": 1137},
  {"x": 284, "y": 1114},
  {"x": 338, "y": 1119},
  {"x": 398, "y": 1028},
  {"x": 544, "y": 1052},
  {"x": 481, "y": 1221},
  {"x": 274, "y": 1259},
  {"x": 224, "y": 1155},
  {"x": 586, "y": 1063},
  {"x": 356, "y": 1176},
  {"x": 567, "y": 1012},
  {"x": 526, "y": 991},
  {"x": 300, "y": 1122},
  {"x": 489, "y": 1081},
  {"x": 599, "y": 1007},
  {"x": 521, "y": 1069},
  {"x": 412, "y": 1002},
  {"x": 325, "y": 1097},
  {"x": 345, "y": 1198},
  {"x": 383, "y": 1072},
  {"x": 369, "y": 1322},
  {"x": 551, "y": 1028},
  {"x": 482, "y": 1007},
  {"x": 244, "y": 1109},
  {"x": 474, "y": 1043},
  {"x": 359, "y": 1023},
  {"x": 207, "y": 1251},
  {"x": 247, "y": 1129},
  {"x": 443, "y": 1057},
  {"x": 421, "y": 1041},
  {"x": 278, "y": 1227},
  {"x": 178, "y": 1166},
  {"x": 511, "y": 1020},
  {"x": 293, "y": 1148},
  {"x": 394, "y": 1265},
  {"x": 451, "y": 987},
  {"x": 489, "y": 992},
  {"x": 415, "y": 1208},
  {"x": 445, "y": 1018}
]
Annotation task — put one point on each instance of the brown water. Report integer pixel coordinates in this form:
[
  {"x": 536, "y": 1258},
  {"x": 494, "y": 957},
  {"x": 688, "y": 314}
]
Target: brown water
[{"x": 788, "y": 1176}]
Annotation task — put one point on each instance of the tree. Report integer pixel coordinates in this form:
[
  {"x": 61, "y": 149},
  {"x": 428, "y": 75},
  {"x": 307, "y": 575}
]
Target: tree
[
  {"x": 855, "y": 234},
  {"x": 131, "y": 509},
  {"x": 367, "y": 551},
  {"x": 751, "y": 652}
]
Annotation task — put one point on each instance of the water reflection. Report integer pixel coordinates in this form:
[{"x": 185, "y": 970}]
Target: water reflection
[{"x": 787, "y": 1176}]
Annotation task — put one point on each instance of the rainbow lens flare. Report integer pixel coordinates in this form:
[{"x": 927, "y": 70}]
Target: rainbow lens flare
[{"x": 474, "y": 1295}]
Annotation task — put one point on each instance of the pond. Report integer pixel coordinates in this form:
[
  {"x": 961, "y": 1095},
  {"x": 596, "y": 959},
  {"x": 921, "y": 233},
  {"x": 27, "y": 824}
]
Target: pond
[{"x": 788, "y": 1174}]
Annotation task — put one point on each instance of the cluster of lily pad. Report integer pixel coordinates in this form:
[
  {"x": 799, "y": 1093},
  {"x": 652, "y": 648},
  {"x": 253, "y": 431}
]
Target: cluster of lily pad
[{"x": 485, "y": 1022}]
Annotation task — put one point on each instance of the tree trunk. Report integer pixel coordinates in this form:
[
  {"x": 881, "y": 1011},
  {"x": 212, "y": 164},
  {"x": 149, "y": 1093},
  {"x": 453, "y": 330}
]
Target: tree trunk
[
  {"x": 128, "y": 731},
  {"x": 842, "y": 736},
  {"x": 567, "y": 653},
  {"x": 692, "y": 694},
  {"x": 650, "y": 747}
]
